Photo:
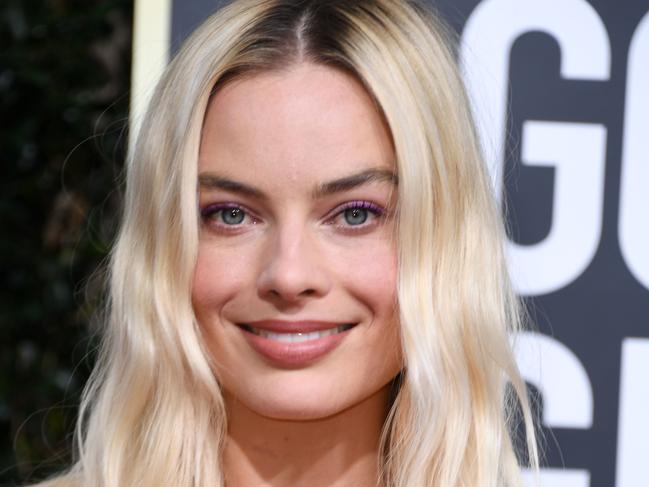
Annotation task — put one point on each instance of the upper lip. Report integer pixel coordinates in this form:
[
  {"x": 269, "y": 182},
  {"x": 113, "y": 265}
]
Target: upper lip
[{"x": 300, "y": 326}]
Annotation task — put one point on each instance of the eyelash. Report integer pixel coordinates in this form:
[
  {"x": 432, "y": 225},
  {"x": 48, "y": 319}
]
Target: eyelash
[
  {"x": 376, "y": 211},
  {"x": 210, "y": 213}
]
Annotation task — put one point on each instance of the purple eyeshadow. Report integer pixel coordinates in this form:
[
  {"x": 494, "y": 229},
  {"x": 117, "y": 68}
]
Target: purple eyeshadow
[
  {"x": 213, "y": 208},
  {"x": 365, "y": 205}
]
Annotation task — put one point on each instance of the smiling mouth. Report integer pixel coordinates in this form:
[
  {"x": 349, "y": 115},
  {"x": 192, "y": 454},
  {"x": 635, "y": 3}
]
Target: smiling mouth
[{"x": 296, "y": 337}]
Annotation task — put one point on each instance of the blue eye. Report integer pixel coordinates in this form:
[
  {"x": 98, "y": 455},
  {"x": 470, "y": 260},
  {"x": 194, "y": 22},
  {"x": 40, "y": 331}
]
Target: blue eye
[
  {"x": 358, "y": 215},
  {"x": 232, "y": 216},
  {"x": 227, "y": 215},
  {"x": 355, "y": 216}
]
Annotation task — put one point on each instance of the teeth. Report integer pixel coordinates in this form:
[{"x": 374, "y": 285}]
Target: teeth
[{"x": 297, "y": 337}]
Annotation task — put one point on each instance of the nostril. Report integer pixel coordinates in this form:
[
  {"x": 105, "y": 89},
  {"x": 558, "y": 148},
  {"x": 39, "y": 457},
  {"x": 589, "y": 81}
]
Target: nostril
[{"x": 287, "y": 295}]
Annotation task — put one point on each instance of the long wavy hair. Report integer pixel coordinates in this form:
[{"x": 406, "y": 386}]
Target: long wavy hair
[{"x": 153, "y": 412}]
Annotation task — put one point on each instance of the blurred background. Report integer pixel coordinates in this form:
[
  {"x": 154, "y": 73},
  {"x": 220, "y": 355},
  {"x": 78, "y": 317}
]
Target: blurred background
[{"x": 64, "y": 86}]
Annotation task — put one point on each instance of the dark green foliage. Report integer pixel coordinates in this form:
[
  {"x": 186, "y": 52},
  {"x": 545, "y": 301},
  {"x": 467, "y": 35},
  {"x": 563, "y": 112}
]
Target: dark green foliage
[{"x": 64, "y": 74}]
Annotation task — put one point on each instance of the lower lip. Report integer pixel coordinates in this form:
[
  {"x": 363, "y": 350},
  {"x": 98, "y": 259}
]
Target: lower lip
[{"x": 293, "y": 355}]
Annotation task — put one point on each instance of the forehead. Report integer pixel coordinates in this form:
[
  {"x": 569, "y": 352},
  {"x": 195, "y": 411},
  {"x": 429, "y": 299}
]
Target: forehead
[{"x": 304, "y": 124}]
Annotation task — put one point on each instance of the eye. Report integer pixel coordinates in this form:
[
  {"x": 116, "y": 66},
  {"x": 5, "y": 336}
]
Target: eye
[
  {"x": 232, "y": 216},
  {"x": 357, "y": 215},
  {"x": 226, "y": 215}
]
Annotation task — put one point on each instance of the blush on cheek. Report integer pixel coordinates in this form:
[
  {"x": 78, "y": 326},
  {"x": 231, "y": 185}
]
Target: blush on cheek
[
  {"x": 213, "y": 284},
  {"x": 376, "y": 270},
  {"x": 372, "y": 278},
  {"x": 211, "y": 291}
]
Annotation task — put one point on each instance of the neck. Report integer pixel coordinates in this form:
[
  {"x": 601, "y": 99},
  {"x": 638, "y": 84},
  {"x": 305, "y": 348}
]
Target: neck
[{"x": 340, "y": 450}]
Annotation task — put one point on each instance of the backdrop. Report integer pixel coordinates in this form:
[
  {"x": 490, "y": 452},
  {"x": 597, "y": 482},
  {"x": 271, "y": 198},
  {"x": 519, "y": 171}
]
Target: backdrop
[{"x": 561, "y": 95}]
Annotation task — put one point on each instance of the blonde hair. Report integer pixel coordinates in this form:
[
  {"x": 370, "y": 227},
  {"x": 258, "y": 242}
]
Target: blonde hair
[{"x": 153, "y": 413}]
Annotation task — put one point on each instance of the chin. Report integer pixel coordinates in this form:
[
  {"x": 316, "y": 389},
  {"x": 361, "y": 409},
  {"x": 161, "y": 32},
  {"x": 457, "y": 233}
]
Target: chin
[
  {"x": 307, "y": 410},
  {"x": 297, "y": 395}
]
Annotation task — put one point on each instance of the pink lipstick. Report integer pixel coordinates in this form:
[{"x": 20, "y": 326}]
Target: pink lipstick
[{"x": 293, "y": 344}]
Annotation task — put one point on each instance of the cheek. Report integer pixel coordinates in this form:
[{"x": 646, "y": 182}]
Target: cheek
[
  {"x": 370, "y": 273},
  {"x": 373, "y": 281},
  {"x": 371, "y": 278},
  {"x": 217, "y": 278}
]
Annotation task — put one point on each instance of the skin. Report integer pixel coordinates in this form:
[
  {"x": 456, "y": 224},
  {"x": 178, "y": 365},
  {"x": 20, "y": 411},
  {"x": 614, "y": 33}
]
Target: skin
[{"x": 293, "y": 256}]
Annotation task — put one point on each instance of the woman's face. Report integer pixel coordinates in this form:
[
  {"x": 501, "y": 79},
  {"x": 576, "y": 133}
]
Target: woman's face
[{"x": 295, "y": 283}]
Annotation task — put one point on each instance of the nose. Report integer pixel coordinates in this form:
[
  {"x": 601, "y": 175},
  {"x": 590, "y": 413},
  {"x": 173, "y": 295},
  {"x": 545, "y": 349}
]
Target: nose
[{"x": 293, "y": 268}]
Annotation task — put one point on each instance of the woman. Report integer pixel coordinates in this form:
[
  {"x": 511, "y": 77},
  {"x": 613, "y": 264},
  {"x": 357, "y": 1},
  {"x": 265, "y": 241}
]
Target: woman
[{"x": 308, "y": 287}]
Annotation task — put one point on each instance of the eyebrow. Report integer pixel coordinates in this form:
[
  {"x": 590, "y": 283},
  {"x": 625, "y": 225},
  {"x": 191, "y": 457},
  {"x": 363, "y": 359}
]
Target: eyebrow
[
  {"x": 213, "y": 181},
  {"x": 355, "y": 180}
]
